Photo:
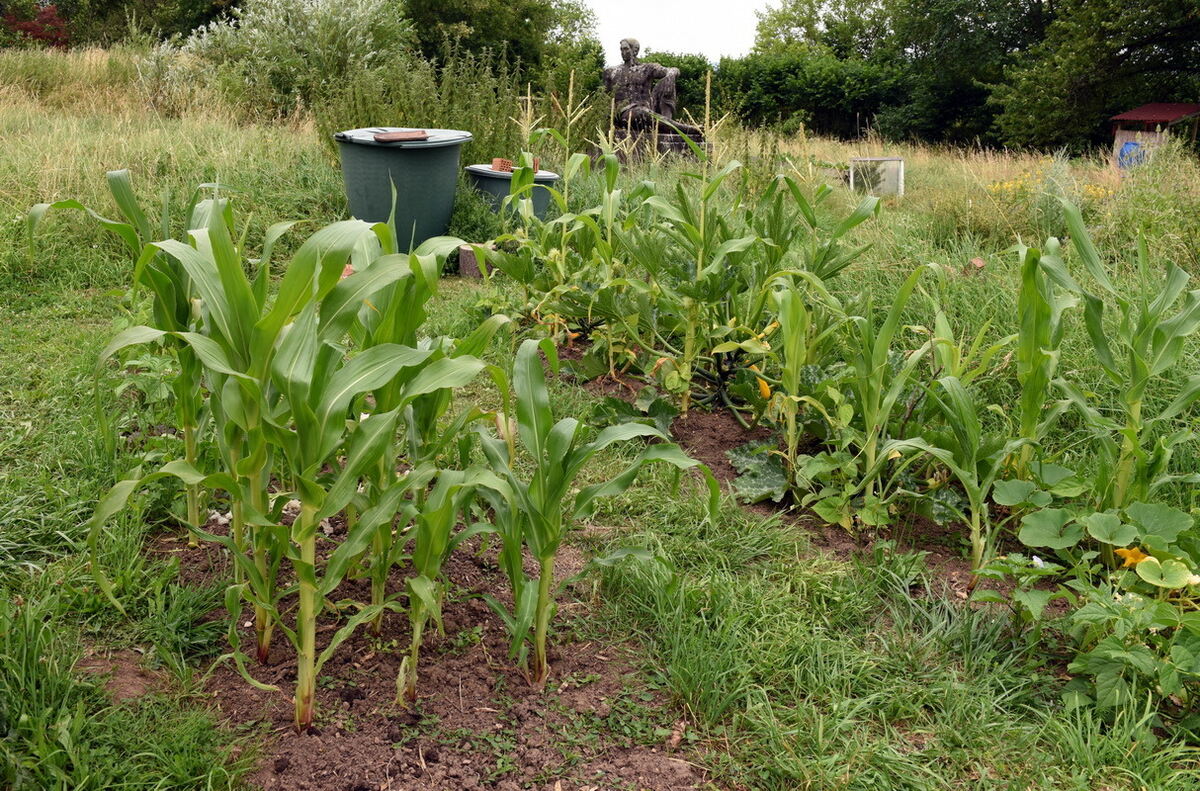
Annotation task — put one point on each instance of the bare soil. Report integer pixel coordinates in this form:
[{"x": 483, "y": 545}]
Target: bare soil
[
  {"x": 124, "y": 676},
  {"x": 706, "y": 436},
  {"x": 478, "y": 724}
]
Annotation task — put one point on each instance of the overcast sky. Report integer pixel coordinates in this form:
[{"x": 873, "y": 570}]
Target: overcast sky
[{"x": 708, "y": 27}]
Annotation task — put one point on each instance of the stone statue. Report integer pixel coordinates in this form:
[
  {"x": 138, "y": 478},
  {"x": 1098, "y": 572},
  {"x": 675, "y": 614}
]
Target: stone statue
[{"x": 644, "y": 94}]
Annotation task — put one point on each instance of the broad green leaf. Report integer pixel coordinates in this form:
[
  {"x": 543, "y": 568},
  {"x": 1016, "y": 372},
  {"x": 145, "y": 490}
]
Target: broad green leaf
[
  {"x": 1109, "y": 529},
  {"x": 866, "y": 208},
  {"x": 1084, "y": 246},
  {"x": 342, "y": 304},
  {"x": 121, "y": 187},
  {"x": 1164, "y": 573},
  {"x": 424, "y": 593},
  {"x": 1010, "y": 493},
  {"x": 124, "y": 230},
  {"x": 534, "y": 418},
  {"x": 448, "y": 372},
  {"x": 1034, "y": 600},
  {"x": 1050, "y": 527},
  {"x": 1156, "y": 519},
  {"x": 366, "y": 371},
  {"x": 131, "y": 336}
]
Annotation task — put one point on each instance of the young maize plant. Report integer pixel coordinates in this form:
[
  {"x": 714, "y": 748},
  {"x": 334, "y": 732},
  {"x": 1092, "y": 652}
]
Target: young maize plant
[
  {"x": 1042, "y": 302},
  {"x": 283, "y": 388},
  {"x": 876, "y": 388},
  {"x": 172, "y": 307},
  {"x": 975, "y": 459},
  {"x": 809, "y": 320},
  {"x": 236, "y": 346},
  {"x": 536, "y": 510},
  {"x": 1148, "y": 342},
  {"x": 433, "y": 540},
  {"x": 694, "y": 277},
  {"x": 394, "y": 316},
  {"x": 318, "y": 394}
]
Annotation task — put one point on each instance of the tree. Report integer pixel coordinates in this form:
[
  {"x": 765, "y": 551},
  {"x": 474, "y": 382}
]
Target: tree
[
  {"x": 526, "y": 30},
  {"x": 572, "y": 46},
  {"x": 106, "y": 21},
  {"x": 1099, "y": 57},
  {"x": 952, "y": 52},
  {"x": 847, "y": 28},
  {"x": 689, "y": 87}
]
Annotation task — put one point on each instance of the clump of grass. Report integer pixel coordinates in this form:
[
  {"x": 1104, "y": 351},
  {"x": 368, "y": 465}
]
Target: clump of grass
[{"x": 805, "y": 671}]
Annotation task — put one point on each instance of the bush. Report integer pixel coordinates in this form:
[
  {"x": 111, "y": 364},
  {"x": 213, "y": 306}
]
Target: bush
[
  {"x": 33, "y": 25},
  {"x": 276, "y": 57},
  {"x": 841, "y": 97}
]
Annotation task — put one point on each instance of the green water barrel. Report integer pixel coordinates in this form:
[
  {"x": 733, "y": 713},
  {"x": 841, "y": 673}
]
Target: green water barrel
[
  {"x": 425, "y": 174},
  {"x": 497, "y": 184}
]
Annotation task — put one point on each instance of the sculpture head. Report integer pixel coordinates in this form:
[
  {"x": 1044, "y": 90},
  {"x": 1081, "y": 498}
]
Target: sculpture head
[{"x": 629, "y": 49}]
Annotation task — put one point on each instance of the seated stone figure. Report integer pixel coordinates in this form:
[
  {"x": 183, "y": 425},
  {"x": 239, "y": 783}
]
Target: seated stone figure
[{"x": 644, "y": 94}]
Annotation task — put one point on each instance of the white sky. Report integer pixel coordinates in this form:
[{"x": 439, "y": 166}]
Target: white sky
[{"x": 707, "y": 27}]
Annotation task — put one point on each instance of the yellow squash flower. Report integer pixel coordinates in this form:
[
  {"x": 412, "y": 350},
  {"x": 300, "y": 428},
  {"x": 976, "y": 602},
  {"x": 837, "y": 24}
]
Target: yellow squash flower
[{"x": 1133, "y": 556}]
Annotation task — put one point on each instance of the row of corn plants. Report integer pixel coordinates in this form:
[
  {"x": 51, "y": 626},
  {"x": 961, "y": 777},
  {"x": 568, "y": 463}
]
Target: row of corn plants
[
  {"x": 322, "y": 397},
  {"x": 723, "y": 296}
]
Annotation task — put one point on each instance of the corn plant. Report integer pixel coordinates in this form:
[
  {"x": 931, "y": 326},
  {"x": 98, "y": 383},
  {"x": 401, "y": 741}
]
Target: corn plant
[
  {"x": 318, "y": 393},
  {"x": 172, "y": 307},
  {"x": 537, "y": 515},
  {"x": 395, "y": 315},
  {"x": 809, "y": 320},
  {"x": 975, "y": 459},
  {"x": 795, "y": 230},
  {"x": 875, "y": 383},
  {"x": 1041, "y": 305},
  {"x": 283, "y": 388},
  {"x": 694, "y": 275},
  {"x": 433, "y": 540},
  {"x": 964, "y": 359},
  {"x": 236, "y": 346},
  {"x": 1148, "y": 341}
]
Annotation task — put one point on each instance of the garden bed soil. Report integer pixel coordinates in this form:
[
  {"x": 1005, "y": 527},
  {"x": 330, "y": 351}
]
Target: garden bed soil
[{"x": 477, "y": 724}]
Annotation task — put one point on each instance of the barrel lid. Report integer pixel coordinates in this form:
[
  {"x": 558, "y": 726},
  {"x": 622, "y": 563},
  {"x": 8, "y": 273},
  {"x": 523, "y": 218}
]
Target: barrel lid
[
  {"x": 486, "y": 170},
  {"x": 436, "y": 139}
]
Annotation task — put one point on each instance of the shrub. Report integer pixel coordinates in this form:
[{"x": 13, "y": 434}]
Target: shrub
[
  {"x": 38, "y": 25},
  {"x": 279, "y": 56},
  {"x": 840, "y": 97},
  {"x": 693, "y": 69}
]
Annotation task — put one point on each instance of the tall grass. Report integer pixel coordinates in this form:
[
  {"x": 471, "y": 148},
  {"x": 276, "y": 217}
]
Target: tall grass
[
  {"x": 77, "y": 80},
  {"x": 478, "y": 93}
]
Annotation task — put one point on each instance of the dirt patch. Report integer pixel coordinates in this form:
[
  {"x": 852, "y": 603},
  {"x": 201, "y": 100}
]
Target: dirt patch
[
  {"x": 198, "y": 565},
  {"x": 124, "y": 677},
  {"x": 708, "y": 435},
  {"x": 477, "y": 723}
]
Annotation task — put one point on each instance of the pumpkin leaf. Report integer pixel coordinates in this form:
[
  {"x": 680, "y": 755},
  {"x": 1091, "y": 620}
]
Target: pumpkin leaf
[{"x": 1050, "y": 527}]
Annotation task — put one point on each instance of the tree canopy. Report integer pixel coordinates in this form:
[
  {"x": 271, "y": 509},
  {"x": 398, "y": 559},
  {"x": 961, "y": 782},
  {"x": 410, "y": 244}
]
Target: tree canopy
[{"x": 1015, "y": 72}]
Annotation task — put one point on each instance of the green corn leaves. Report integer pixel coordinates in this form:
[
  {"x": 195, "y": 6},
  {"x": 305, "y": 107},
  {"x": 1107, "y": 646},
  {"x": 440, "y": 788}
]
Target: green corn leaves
[{"x": 533, "y": 512}]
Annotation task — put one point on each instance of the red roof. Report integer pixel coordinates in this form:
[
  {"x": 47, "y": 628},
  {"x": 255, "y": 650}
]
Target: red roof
[{"x": 1159, "y": 112}]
